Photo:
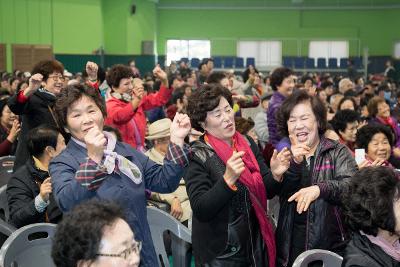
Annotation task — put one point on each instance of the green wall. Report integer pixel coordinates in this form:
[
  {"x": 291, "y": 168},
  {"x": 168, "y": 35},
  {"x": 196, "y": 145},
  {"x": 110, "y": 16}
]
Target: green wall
[{"x": 373, "y": 29}]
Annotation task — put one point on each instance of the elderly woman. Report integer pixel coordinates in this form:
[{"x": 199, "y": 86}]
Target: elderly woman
[
  {"x": 379, "y": 111},
  {"x": 310, "y": 190},
  {"x": 227, "y": 185},
  {"x": 346, "y": 123},
  {"x": 109, "y": 241},
  {"x": 9, "y": 129},
  {"x": 377, "y": 141},
  {"x": 372, "y": 209},
  {"x": 35, "y": 103},
  {"x": 128, "y": 103},
  {"x": 95, "y": 165}
]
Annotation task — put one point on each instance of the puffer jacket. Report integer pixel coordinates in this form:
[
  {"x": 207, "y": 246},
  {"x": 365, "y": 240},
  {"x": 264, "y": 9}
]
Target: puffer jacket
[{"x": 333, "y": 166}]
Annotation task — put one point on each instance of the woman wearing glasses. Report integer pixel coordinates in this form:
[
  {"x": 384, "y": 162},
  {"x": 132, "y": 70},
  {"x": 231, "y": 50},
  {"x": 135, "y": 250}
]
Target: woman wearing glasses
[
  {"x": 34, "y": 104},
  {"x": 95, "y": 234}
]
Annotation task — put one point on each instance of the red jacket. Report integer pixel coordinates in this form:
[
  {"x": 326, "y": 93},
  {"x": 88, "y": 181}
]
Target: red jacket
[{"x": 120, "y": 114}]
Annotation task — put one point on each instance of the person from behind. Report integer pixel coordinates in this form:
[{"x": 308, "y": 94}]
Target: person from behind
[
  {"x": 372, "y": 210},
  {"x": 29, "y": 189},
  {"x": 95, "y": 234}
]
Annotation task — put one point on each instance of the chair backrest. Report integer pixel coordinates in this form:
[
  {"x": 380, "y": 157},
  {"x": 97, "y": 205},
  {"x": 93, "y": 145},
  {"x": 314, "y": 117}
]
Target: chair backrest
[
  {"x": 329, "y": 258},
  {"x": 4, "y": 210},
  {"x": 29, "y": 246},
  {"x": 6, "y": 169},
  {"x": 159, "y": 222}
]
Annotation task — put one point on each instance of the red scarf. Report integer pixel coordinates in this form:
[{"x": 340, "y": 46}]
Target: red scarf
[
  {"x": 388, "y": 121},
  {"x": 252, "y": 179}
]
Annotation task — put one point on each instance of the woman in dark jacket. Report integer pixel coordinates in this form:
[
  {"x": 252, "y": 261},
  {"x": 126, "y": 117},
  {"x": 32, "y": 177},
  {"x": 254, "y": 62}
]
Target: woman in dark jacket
[
  {"x": 35, "y": 103},
  {"x": 29, "y": 189},
  {"x": 9, "y": 129},
  {"x": 372, "y": 209},
  {"x": 310, "y": 191},
  {"x": 227, "y": 186}
]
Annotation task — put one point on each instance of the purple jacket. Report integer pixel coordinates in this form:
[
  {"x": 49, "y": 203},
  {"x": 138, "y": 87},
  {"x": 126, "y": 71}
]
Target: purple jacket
[{"x": 274, "y": 104}]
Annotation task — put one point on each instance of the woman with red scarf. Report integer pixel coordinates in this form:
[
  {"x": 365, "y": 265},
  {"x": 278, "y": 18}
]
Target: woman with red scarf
[
  {"x": 228, "y": 184},
  {"x": 379, "y": 111}
]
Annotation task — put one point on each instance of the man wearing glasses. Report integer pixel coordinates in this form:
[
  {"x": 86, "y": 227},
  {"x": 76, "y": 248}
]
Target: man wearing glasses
[{"x": 95, "y": 234}]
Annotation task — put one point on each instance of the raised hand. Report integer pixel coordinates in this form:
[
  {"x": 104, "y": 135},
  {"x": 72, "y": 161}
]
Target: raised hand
[
  {"x": 45, "y": 189},
  {"x": 299, "y": 151},
  {"x": 15, "y": 129},
  {"x": 91, "y": 70},
  {"x": 180, "y": 128},
  {"x": 160, "y": 74},
  {"x": 304, "y": 197},
  {"x": 280, "y": 163},
  {"x": 34, "y": 83},
  {"x": 95, "y": 144},
  {"x": 234, "y": 167},
  {"x": 138, "y": 89}
]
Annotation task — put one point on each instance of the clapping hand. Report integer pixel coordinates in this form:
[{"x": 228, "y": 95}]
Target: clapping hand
[
  {"x": 91, "y": 70},
  {"x": 160, "y": 74},
  {"x": 280, "y": 163}
]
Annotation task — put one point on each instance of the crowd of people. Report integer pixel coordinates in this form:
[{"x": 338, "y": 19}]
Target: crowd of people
[{"x": 218, "y": 147}]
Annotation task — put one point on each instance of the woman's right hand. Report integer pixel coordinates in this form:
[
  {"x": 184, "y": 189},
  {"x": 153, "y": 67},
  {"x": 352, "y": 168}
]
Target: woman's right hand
[
  {"x": 234, "y": 167},
  {"x": 15, "y": 129},
  {"x": 45, "y": 189},
  {"x": 376, "y": 163},
  {"x": 95, "y": 143}
]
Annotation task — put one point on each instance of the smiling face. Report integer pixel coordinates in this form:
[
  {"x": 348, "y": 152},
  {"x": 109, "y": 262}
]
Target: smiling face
[
  {"x": 125, "y": 86},
  {"x": 7, "y": 117},
  {"x": 383, "y": 110},
  {"x": 379, "y": 147},
  {"x": 287, "y": 86},
  {"x": 220, "y": 121},
  {"x": 302, "y": 124},
  {"x": 54, "y": 83},
  {"x": 350, "y": 133},
  {"x": 83, "y": 115}
]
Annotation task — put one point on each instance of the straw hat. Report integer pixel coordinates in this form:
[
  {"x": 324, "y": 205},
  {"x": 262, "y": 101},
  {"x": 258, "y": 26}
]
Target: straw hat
[{"x": 159, "y": 129}]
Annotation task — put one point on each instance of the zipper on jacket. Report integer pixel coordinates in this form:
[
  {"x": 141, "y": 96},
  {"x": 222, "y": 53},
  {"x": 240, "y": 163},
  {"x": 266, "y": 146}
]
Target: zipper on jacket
[
  {"x": 339, "y": 223},
  {"x": 251, "y": 235}
]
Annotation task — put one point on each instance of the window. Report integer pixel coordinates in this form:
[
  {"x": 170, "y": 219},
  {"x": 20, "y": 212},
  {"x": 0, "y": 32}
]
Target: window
[
  {"x": 177, "y": 49},
  {"x": 397, "y": 50},
  {"x": 328, "y": 49},
  {"x": 266, "y": 53}
]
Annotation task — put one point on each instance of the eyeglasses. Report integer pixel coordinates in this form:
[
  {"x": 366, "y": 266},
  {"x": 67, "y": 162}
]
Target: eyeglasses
[
  {"x": 56, "y": 77},
  {"x": 135, "y": 248}
]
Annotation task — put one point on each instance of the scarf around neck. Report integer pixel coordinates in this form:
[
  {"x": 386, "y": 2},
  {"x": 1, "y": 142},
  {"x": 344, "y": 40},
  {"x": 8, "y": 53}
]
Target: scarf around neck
[
  {"x": 252, "y": 179},
  {"x": 113, "y": 159}
]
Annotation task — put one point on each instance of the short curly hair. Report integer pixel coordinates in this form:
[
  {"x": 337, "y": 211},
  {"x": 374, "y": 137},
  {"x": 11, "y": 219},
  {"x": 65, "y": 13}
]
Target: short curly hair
[
  {"x": 373, "y": 105},
  {"x": 71, "y": 94},
  {"x": 299, "y": 96},
  {"x": 205, "y": 99},
  {"x": 47, "y": 67},
  {"x": 342, "y": 118},
  {"x": 368, "y": 201},
  {"x": 79, "y": 234},
  {"x": 117, "y": 73},
  {"x": 278, "y": 75},
  {"x": 367, "y": 132}
]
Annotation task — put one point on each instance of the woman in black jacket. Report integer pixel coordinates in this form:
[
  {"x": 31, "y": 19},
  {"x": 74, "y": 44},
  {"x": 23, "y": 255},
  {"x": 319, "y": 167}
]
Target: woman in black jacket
[
  {"x": 227, "y": 186},
  {"x": 372, "y": 209},
  {"x": 29, "y": 189},
  {"x": 35, "y": 103},
  {"x": 310, "y": 191}
]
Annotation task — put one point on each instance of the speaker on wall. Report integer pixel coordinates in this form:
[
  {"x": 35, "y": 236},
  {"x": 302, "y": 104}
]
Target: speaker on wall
[{"x": 133, "y": 9}]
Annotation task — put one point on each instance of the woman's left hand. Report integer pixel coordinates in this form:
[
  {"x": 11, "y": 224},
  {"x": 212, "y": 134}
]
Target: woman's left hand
[
  {"x": 180, "y": 128},
  {"x": 304, "y": 197}
]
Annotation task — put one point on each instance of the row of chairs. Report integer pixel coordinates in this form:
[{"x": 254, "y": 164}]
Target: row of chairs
[
  {"x": 321, "y": 63},
  {"x": 223, "y": 62}
]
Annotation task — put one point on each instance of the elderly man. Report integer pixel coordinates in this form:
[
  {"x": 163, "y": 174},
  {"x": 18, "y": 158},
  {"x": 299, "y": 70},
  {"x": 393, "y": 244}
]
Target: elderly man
[{"x": 159, "y": 134}]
